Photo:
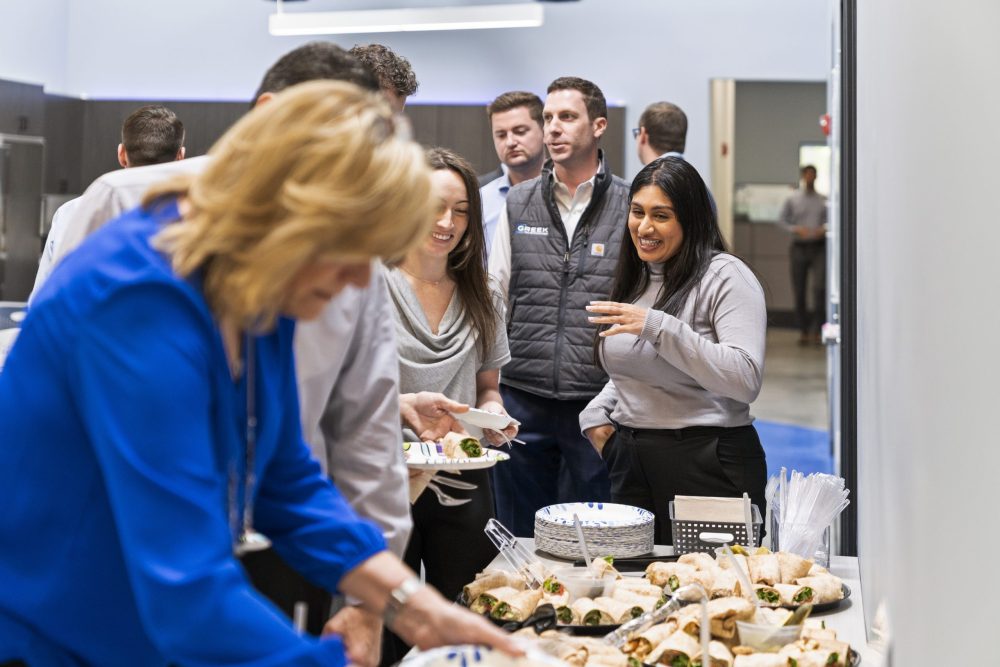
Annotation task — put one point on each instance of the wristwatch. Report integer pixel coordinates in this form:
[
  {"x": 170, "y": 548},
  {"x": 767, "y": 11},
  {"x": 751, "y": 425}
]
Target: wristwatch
[{"x": 398, "y": 597}]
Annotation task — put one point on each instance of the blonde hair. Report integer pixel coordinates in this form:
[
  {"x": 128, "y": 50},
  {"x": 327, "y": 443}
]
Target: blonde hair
[{"x": 318, "y": 171}]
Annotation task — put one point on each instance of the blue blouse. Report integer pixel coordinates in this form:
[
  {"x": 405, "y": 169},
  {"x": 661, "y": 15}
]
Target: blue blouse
[{"x": 119, "y": 421}]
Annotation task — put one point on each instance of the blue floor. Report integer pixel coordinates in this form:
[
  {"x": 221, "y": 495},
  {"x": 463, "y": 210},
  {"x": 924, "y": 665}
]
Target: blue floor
[{"x": 795, "y": 447}]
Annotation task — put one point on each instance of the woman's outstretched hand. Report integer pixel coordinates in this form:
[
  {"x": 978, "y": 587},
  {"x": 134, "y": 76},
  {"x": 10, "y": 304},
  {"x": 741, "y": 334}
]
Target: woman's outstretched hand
[{"x": 623, "y": 317}]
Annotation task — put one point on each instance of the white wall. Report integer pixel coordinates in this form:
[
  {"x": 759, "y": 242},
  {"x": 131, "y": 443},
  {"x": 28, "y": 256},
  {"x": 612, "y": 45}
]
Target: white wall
[
  {"x": 33, "y": 39},
  {"x": 638, "y": 51},
  {"x": 928, "y": 322}
]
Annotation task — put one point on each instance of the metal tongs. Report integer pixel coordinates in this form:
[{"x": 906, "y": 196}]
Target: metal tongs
[
  {"x": 640, "y": 624},
  {"x": 522, "y": 561}
]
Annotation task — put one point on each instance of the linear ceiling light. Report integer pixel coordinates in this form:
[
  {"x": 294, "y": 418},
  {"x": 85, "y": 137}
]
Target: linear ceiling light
[{"x": 475, "y": 17}]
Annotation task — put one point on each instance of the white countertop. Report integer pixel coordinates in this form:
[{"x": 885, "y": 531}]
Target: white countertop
[{"x": 848, "y": 619}]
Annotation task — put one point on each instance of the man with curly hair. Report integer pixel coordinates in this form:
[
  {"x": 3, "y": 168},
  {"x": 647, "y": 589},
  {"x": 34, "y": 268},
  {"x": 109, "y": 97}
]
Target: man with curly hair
[{"x": 394, "y": 74}]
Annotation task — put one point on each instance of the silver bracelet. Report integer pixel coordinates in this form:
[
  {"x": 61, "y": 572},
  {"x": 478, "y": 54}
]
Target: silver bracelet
[{"x": 398, "y": 597}]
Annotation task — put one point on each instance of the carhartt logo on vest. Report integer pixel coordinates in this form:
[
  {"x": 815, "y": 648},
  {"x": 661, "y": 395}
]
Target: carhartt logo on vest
[
  {"x": 531, "y": 231},
  {"x": 597, "y": 249}
]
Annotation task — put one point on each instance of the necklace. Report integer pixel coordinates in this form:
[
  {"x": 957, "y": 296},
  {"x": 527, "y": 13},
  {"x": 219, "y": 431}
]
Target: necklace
[{"x": 435, "y": 283}]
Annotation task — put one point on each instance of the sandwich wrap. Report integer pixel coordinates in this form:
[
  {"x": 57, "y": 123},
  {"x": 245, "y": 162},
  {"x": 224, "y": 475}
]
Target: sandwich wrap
[
  {"x": 792, "y": 566},
  {"x": 793, "y": 595},
  {"x": 827, "y": 587},
  {"x": 723, "y": 614},
  {"x": 764, "y": 569},
  {"x": 487, "y": 600},
  {"x": 589, "y": 613},
  {"x": 490, "y": 581},
  {"x": 768, "y": 595},
  {"x": 518, "y": 606},
  {"x": 461, "y": 446}
]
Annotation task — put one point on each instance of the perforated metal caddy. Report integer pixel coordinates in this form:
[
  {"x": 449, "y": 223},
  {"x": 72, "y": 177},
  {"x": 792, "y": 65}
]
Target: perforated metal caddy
[{"x": 707, "y": 536}]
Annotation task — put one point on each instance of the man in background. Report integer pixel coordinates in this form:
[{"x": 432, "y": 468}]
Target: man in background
[
  {"x": 804, "y": 215},
  {"x": 394, "y": 73},
  {"x": 554, "y": 251},
  {"x": 152, "y": 134},
  {"x": 347, "y": 368},
  {"x": 516, "y": 124},
  {"x": 662, "y": 131}
]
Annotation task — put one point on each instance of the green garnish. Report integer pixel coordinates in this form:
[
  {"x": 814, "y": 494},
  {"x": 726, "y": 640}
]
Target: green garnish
[
  {"x": 662, "y": 601},
  {"x": 833, "y": 659},
  {"x": 792, "y": 662},
  {"x": 803, "y": 595},
  {"x": 553, "y": 586},
  {"x": 637, "y": 612},
  {"x": 483, "y": 604},
  {"x": 680, "y": 661},
  {"x": 610, "y": 560},
  {"x": 501, "y": 611},
  {"x": 673, "y": 582},
  {"x": 564, "y": 615},
  {"x": 593, "y": 617},
  {"x": 767, "y": 596},
  {"x": 632, "y": 662},
  {"x": 471, "y": 447}
]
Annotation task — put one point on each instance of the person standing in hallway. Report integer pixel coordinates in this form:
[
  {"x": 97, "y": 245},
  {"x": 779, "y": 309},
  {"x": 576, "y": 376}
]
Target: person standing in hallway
[
  {"x": 152, "y": 134},
  {"x": 516, "y": 123},
  {"x": 554, "y": 251},
  {"x": 804, "y": 215},
  {"x": 682, "y": 338}
]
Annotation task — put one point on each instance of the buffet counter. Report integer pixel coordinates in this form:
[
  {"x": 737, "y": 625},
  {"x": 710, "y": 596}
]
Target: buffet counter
[{"x": 848, "y": 619}]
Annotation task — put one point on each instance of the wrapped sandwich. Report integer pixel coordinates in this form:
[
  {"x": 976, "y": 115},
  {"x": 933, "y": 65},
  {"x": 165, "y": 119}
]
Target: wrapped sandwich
[
  {"x": 643, "y": 602},
  {"x": 762, "y": 660},
  {"x": 600, "y": 567},
  {"x": 719, "y": 655},
  {"x": 620, "y": 612},
  {"x": 826, "y": 587},
  {"x": 588, "y": 613},
  {"x": 725, "y": 583},
  {"x": 698, "y": 560},
  {"x": 485, "y": 602},
  {"x": 793, "y": 595},
  {"x": 817, "y": 653},
  {"x": 638, "y": 586},
  {"x": 723, "y": 614},
  {"x": 642, "y": 644},
  {"x": 486, "y": 581},
  {"x": 726, "y": 564},
  {"x": 677, "y": 648},
  {"x": 792, "y": 566},
  {"x": 461, "y": 446},
  {"x": 768, "y": 595},
  {"x": 516, "y": 607},
  {"x": 672, "y": 576},
  {"x": 764, "y": 569}
]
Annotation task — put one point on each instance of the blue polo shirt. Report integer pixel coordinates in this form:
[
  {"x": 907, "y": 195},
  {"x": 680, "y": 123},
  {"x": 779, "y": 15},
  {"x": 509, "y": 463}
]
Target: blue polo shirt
[{"x": 494, "y": 195}]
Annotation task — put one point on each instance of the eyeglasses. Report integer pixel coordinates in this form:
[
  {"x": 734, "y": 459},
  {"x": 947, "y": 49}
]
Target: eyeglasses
[{"x": 635, "y": 132}]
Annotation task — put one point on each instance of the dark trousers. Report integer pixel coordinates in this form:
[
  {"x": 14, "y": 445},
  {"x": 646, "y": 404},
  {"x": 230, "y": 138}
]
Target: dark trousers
[
  {"x": 449, "y": 543},
  {"x": 556, "y": 465},
  {"x": 809, "y": 266},
  {"x": 650, "y": 467},
  {"x": 284, "y": 586}
]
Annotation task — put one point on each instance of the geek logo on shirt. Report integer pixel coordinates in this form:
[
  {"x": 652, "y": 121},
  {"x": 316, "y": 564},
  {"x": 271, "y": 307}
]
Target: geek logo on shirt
[{"x": 530, "y": 230}]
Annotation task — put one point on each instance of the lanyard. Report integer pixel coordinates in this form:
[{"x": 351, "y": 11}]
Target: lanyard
[{"x": 247, "y": 539}]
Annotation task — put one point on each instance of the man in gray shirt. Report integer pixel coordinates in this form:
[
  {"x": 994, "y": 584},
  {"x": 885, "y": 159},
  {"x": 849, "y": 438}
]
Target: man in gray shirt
[{"x": 804, "y": 215}]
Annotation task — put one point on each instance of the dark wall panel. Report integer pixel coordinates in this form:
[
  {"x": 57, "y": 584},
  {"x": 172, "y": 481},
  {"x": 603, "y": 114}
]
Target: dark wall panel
[
  {"x": 204, "y": 122},
  {"x": 22, "y": 108},
  {"x": 63, "y": 144}
]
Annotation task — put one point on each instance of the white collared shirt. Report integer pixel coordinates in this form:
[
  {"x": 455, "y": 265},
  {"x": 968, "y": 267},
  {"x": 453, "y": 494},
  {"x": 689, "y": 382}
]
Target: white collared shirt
[{"x": 571, "y": 209}]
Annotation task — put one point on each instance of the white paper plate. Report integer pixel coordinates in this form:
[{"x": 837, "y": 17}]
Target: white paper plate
[
  {"x": 594, "y": 515},
  {"x": 484, "y": 419},
  {"x": 478, "y": 656},
  {"x": 418, "y": 457}
]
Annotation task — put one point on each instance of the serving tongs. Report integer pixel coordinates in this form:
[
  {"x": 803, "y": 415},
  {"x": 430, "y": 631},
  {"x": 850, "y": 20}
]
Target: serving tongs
[
  {"x": 522, "y": 561},
  {"x": 640, "y": 624}
]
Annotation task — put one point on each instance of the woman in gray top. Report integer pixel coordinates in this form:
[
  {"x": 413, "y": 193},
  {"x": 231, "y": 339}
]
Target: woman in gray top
[
  {"x": 452, "y": 340},
  {"x": 682, "y": 340}
]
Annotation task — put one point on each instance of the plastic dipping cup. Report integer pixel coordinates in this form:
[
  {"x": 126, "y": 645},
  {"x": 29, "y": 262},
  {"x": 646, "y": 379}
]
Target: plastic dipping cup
[
  {"x": 580, "y": 583},
  {"x": 767, "y": 638}
]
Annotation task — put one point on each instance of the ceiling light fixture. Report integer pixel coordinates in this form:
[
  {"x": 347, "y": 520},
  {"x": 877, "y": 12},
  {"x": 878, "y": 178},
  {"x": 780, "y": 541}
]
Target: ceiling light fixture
[{"x": 474, "y": 17}]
